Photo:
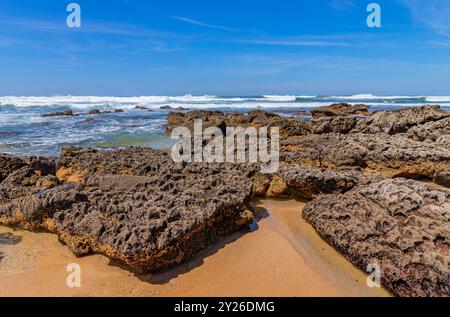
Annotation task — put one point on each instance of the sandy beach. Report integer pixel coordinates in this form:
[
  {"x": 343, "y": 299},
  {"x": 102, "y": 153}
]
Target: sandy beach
[{"x": 283, "y": 256}]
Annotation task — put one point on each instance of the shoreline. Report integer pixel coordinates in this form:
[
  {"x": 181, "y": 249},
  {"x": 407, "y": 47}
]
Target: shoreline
[{"x": 294, "y": 259}]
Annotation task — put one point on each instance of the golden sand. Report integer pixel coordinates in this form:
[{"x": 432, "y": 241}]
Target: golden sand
[{"x": 282, "y": 257}]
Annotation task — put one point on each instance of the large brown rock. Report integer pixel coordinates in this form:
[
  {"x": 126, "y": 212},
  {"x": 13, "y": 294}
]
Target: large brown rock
[
  {"x": 258, "y": 118},
  {"x": 393, "y": 155},
  {"x": 136, "y": 206},
  {"x": 399, "y": 121},
  {"x": 9, "y": 164},
  {"x": 339, "y": 109},
  {"x": 307, "y": 183},
  {"x": 401, "y": 225},
  {"x": 431, "y": 130},
  {"x": 336, "y": 124}
]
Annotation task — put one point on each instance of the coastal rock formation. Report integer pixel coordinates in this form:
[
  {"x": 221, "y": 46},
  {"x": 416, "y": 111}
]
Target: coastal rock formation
[
  {"x": 257, "y": 118},
  {"x": 401, "y": 225},
  {"x": 393, "y": 155},
  {"x": 66, "y": 113},
  {"x": 431, "y": 131},
  {"x": 135, "y": 206},
  {"x": 10, "y": 164},
  {"x": 399, "y": 121},
  {"x": 340, "y": 109},
  {"x": 336, "y": 124},
  {"x": 307, "y": 183}
]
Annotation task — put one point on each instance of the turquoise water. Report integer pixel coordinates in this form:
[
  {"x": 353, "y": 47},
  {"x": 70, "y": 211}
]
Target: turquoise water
[{"x": 23, "y": 130}]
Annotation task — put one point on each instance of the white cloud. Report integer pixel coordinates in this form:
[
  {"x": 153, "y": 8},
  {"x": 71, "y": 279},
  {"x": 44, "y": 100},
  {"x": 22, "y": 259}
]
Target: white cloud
[
  {"x": 203, "y": 24},
  {"x": 433, "y": 13},
  {"x": 343, "y": 5},
  {"x": 293, "y": 43}
]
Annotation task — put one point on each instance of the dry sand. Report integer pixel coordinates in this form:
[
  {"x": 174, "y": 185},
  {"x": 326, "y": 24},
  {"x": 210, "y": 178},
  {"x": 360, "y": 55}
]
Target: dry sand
[{"x": 283, "y": 256}]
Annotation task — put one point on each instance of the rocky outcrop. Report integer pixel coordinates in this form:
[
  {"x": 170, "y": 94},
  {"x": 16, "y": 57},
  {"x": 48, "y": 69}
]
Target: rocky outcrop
[
  {"x": 135, "y": 206},
  {"x": 340, "y": 109},
  {"x": 307, "y": 183},
  {"x": 394, "y": 156},
  {"x": 430, "y": 131},
  {"x": 65, "y": 113},
  {"x": 399, "y": 121},
  {"x": 10, "y": 164},
  {"x": 337, "y": 124},
  {"x": 401, "y": 225},
  {"x": 257, "y": 118}
]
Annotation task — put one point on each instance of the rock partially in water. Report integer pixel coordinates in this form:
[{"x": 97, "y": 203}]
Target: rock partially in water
[
  {"x": 339, "y": 109},
  {"x": 65, "y": 113},
  {"x": 401, "y": 225}
]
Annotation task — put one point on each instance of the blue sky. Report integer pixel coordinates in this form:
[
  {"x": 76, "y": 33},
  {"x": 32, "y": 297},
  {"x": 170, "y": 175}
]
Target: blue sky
[{"x": 245, "y": 47}]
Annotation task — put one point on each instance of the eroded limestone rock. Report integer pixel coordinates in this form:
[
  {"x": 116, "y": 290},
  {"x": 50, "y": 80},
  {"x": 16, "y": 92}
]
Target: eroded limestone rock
[{"x": 401, "y": 225}]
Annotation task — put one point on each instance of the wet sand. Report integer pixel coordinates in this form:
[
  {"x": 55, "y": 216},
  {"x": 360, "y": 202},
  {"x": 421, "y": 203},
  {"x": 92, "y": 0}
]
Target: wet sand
[{"x": 282, "y": 256}]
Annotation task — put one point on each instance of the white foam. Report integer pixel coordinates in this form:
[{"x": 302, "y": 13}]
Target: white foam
[
  {"x": 438, "y": 99},
  {"x": 372, "y": 97}
]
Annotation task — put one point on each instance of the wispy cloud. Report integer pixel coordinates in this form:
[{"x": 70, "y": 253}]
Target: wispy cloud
[
  {"x": 433, "y": 13},
  {"x": 203, "y": 24},
  {"x": 343, "y": 5},
  {"x": 298, "y": 43}
]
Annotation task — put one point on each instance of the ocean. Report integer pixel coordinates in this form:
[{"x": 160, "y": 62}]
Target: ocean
[{"x": 24, "y": 131}]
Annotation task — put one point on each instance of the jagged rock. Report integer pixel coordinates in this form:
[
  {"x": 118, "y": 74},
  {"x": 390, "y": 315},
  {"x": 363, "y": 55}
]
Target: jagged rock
[
  {"x": 136, "y": 206},
  {"x": 401, "y": 225},
  {"x": 9, "y": 164},
  {"x": 337, "y": 124},
  {"x": 431, "y": 130},
  {"x": 174, "y": 108},
  {"x": 339, "y": 109},
  {"x": 399, "y": 121},
  {"x": 393, "y": 155},
  {"x": 442, "y": 178},
  {"x": 66, "y": 113},
  {"x": 307, "y": 183},
  {"x": 258, "y": 118},
  {"x": 444, "y": 141}
]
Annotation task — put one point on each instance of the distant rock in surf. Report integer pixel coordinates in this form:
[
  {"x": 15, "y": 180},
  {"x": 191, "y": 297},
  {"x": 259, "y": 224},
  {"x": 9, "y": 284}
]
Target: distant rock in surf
[{"x": 59, "y": 114}]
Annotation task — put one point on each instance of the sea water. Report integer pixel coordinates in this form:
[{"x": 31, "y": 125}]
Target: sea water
[{"x": 23, "y": 129}]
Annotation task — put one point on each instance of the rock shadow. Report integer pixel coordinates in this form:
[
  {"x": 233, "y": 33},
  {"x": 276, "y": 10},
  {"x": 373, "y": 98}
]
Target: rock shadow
[{"x": 198, "y": 260}]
